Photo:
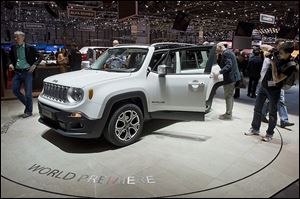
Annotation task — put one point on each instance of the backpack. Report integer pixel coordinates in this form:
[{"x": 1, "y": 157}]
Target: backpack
[{"x": 289, "y": 81}]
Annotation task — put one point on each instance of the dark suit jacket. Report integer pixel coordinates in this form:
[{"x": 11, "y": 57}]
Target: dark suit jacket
[
  {"x": 32, "y": 56},
  {"x": 229, "y": 67},
  {"x": 255, "y": 66},
  {"x": 75, "y": 60}
]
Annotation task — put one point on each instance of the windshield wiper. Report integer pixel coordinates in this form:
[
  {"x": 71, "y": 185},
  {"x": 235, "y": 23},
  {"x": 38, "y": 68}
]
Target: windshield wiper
[{"x": 119, "y": 70}]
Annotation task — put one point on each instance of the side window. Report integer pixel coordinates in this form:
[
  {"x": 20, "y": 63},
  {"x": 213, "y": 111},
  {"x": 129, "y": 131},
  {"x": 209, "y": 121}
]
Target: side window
[
  {"x": 155, "y": 59},
  {"x": 192, "y": 61},
  {"x": 170, "y": 62},
  {"x": 164, "y": 59}
]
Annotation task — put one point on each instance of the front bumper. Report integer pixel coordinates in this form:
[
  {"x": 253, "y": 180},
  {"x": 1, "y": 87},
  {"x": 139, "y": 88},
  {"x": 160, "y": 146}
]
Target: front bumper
[{"x": 62, "y": 123}]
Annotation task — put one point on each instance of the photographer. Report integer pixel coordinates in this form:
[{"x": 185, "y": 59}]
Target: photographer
[
  {"x": 272, "y": 83},
  {"x": 281, "y": 107}
]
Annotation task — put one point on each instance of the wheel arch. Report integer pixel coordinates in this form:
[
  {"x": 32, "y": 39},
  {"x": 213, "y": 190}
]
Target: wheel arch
[{"x": 135, "y": 97}]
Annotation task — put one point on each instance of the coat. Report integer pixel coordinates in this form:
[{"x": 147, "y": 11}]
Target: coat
[{"x": 229, "y": 67}]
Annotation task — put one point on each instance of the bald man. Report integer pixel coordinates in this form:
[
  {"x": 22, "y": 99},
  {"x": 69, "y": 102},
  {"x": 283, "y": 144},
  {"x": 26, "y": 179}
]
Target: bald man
[
  {"x": 231, "y": 74},
  {"x": 115, "y": 42}
]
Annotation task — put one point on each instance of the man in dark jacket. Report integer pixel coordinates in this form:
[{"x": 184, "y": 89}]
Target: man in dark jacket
[
  {"x": 231, "y": 74},
  {"x": 75, "y": 58},
  {"x": 254, "y": 68},
  {"x": 23, "y": 59}
]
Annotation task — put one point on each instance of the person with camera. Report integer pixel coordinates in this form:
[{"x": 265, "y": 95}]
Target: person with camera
[
  {"x": 23, "y": 60},
  {"x": 273, "y": 81},
  {"x": 281, "y": 106}
]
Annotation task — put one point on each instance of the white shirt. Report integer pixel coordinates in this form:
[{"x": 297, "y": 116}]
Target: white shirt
[{"x": 266, "y": 65}]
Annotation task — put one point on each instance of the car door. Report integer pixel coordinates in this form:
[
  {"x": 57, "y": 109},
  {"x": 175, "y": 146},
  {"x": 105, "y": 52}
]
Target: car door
[{"x": 188, "y": 82}]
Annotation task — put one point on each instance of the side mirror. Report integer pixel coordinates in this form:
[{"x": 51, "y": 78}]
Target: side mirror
[
  {"x": 85, "y": 64},
  {"x": 162, "y": 70}
]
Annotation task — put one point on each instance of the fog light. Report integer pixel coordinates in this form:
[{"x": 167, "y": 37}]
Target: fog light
[{"x": 75, "y": 114}]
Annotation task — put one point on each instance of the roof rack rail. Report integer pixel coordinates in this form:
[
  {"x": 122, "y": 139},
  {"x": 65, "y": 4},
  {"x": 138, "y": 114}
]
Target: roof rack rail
[
  {"x": 169, "y": 45},
  {"x": 131, "y": 45}
]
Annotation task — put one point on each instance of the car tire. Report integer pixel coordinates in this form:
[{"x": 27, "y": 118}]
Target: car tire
[{"x": 125, "y": 125}]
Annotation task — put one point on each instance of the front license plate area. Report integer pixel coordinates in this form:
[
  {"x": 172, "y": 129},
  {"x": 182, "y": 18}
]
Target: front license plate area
[{"x": 47, "y": 113}]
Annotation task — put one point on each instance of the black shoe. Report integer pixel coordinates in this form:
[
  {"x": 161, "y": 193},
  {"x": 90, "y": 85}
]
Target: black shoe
[
  {"x": 25, "y": 115},
  {"x": 248, "y": 95},
  {"x": 265, "y": 120},
  {"x": 253, "y": 96},
  {"x": 285, "y": 124}
]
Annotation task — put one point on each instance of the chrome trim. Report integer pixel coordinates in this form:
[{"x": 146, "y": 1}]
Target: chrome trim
[{"x": 55, "y": 92}]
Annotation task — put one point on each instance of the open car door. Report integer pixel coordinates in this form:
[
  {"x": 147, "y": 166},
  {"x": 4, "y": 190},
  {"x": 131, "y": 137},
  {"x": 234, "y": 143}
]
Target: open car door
[{"x": 188, "y": 84}]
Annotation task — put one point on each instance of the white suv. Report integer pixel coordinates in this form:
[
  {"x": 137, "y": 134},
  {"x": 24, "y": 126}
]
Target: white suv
[{"x": 125, "y": 86}]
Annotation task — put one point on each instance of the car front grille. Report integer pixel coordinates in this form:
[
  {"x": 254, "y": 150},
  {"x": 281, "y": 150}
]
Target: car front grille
[{"x": 56, "y": 92}]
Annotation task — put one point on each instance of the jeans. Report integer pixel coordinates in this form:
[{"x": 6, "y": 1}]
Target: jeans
[
  {"x": 228, "y": 95},
  {"x": 25, "y": 77},
  {"x": 281, "y": 107},
  {"x": 252, "y": 86},
  {"x": 273, "y": 96}
]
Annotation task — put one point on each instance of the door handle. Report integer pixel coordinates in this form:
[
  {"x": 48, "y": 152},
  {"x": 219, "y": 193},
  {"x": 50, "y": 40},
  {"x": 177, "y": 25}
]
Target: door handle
[{"x": 195, "y": 84}]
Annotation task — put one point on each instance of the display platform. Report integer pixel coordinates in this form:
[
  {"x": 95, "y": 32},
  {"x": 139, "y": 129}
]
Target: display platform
[{"x": 173, "y": 159}]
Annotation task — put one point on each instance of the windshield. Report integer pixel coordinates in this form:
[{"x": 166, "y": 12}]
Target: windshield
[{"x": 121, "y": 60}]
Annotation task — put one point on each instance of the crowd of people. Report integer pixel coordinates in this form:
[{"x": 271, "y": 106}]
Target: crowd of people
[
  {"x": 64, "y": 57},
  {"x": 274, "y": 69}
]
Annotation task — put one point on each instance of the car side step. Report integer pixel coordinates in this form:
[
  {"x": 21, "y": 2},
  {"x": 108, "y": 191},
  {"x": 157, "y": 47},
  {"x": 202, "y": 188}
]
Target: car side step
[{"x": 178, "y": 115}]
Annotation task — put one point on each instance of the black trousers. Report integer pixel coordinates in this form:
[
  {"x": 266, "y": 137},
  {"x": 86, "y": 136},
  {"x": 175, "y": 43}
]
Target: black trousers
[
  {"x": 273, "y": 96},
  {"x": 252, "y": 85}
]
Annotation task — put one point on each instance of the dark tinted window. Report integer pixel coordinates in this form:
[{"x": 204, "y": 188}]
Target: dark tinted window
[{"x": 155, "y": 58}]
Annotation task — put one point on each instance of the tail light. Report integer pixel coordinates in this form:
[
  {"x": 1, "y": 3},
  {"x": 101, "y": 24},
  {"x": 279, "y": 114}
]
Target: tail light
[{"x": 84, "y": 57}]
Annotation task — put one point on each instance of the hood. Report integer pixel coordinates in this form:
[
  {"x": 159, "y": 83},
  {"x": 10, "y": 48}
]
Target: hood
[{"x": 82, "y": 78}]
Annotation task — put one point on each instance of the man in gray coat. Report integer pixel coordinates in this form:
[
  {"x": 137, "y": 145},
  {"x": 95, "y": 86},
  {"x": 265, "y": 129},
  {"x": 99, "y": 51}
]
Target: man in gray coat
[{"x": 231, "y": 74}]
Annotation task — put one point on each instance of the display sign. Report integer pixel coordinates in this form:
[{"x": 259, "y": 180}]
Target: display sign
[
  {"x": 127, "y": 9},
  {"x": 256, "y": 35},
  {"x": 240, "y": 42},
  {"x": 83, "y": 13},
  {"x": 87, "y": 28},
  {"x": 34, "y": 25},
  {"x": 90, "y": 179},
  {"x": 267, "y": 19},
  {"x": 53, "y": 48}
]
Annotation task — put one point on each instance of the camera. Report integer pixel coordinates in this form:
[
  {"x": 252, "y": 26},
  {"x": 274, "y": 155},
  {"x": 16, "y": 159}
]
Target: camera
[{"x": 273, "y": 54}]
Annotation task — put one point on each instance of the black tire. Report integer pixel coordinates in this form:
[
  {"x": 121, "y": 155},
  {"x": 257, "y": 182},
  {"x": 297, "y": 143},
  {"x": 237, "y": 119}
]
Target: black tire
[{"x": 129, "y": 119}]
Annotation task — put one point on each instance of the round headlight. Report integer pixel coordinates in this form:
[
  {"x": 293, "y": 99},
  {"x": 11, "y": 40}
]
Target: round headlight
[{"x": 75, "y": 94}]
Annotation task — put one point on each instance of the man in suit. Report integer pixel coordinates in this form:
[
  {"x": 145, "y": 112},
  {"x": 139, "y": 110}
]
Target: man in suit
[
  {"x": 231, "y": 74},
  {"x": 254, "y": 68},
  {"x": 75, "y": 58},
  {"x": 23, "y": 60}
]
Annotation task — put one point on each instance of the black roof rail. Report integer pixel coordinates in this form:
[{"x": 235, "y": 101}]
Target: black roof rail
[{"x": 170, "y": 45}]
